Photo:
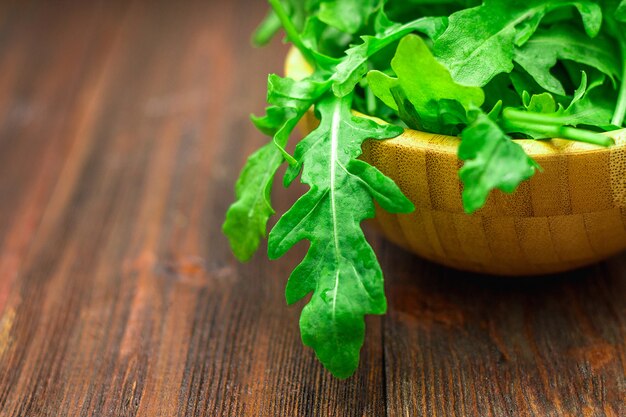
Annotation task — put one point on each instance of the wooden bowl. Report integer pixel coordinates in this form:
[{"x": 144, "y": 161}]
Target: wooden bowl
[{"x": 570, "y": 215}]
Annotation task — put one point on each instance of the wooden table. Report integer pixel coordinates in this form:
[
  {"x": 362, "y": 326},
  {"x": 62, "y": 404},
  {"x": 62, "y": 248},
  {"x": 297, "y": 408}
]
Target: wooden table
[{"x": 122, "y": 128}]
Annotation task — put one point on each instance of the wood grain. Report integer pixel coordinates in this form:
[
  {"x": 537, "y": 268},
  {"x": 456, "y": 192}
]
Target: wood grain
[
  {"x": 567, "y": 216},
  {"x": 122, "y": 128}
]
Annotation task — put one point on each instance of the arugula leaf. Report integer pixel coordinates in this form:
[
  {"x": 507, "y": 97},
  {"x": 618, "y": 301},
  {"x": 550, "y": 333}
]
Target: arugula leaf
[
  {"x": 479, "y": 42},
  {"x": 246, "y": 219},
  {"x": 406, "y": 10},
  {"x": 587, "y": 106},
  {"x": 422, "y": 78},
  {"x": 522, "y": 82},
  {"x": 340, "y": 267},
  {"x": 320, "y": 37},
  {"x": 347, "y": 15},
  {"x": 584, "y": 88},
  {"x": 544, "y": 118},
  {"x": 541, "y": 53},
  {"x": 313, "y": 56},
  {"x": 355, "y": 65},
  {"x": 290, "y": 100},
  {"x": 620, "y": 12},
  {"x": 445, "y": 116},
  {"x": 617, "y": 27},
  {"x": 501, "y": 89},
  {"x": 492, "y": 160},
  {"x": 266, "y": 30},
  {"x": 300, "y": 10},
  {"x": 540, "y": 103}
]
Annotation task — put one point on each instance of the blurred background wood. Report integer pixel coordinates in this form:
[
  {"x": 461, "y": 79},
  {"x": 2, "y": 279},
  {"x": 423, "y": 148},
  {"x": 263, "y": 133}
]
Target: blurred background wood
[{"x": 122, "y": 128}]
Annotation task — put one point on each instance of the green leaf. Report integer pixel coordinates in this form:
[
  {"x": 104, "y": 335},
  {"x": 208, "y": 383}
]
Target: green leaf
[
  {"x": 595, "y": 108},
  {"x": 300, "y": 10},
  {"x": 355, "y": 65},
  {"x": 293, "y": 32},
  {"x": 541, "y": 103},
  {"x": 325, "y": 39},
  {"x": 500, "y": 89},
  {"x": 297, "y": 10},
  {"x": 340, "y": 267},
  {"x": 620, "y": 12},
  {"x": 266, "y": 30},
  {"x": 246, "y": 219},
  {"x": 347, "y": 15},
  {"x": 545, "y": 119},
  {"x": 479, "y": 42},
  {"x": 617, "y": 27},
  {"x": 405, "y": 10},
  {"x": 492, "y": 160},
  {"x": 495, "y": 111},
  {"x": 290, "y": 100},
  {"x": 587, "y": 107},
  {"x": 582, "y": 88},
  {"x": 540, "y": 55},
  {"x": 523, "y": 82},
  {"x": 422, "y": 78},
  {"x": 443, "y": 116}
]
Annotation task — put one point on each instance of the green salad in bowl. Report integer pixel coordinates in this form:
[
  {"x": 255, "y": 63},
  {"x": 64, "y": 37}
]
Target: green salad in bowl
[{"x": 489, "y": 72}]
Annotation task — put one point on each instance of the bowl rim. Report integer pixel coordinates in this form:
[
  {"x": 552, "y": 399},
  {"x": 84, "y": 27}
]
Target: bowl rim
[{"x": 296, "y": 67}]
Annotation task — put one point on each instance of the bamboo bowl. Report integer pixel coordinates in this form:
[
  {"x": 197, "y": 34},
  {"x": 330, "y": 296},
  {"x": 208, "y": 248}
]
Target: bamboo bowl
[{"x": 570, "y": 215}]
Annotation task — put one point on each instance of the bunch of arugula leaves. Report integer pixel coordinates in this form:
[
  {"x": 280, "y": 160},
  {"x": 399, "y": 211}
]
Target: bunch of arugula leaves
[{"x": 489, "y": 72}]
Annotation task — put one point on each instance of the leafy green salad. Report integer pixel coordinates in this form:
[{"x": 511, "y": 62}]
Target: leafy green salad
[{"x": 487, "y": 71}]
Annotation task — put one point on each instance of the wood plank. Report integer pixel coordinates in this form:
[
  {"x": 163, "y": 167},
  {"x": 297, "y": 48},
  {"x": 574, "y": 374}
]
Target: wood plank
[
  {"x": 458, "y": 344},
  {"x": 126, "y": 127}
]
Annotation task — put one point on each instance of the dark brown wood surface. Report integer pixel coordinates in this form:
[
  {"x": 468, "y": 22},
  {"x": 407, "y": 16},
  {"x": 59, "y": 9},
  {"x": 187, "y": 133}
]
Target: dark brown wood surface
[{"x": 122, "y": 128}]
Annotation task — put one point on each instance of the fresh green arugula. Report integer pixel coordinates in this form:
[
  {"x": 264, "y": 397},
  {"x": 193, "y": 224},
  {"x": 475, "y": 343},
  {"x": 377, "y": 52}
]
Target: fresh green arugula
[
  {"x": 355, "y": 65},
  {"x": 563, "y": 42},
  {"x": 340, "y": 267},
  {"x": 422, "y": 78},
  {"x": 620, "y": 12},
  {"x": 348, "y": 16},
  {"x": 246, "y": 219},
  {"x": 489, "y": 72},
  {"x": 479, "y": 42},
  {"x": 493, "y": 161}
]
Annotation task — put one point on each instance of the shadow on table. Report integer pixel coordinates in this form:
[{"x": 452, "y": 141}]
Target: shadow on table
[{"x": 404, "y": 269}]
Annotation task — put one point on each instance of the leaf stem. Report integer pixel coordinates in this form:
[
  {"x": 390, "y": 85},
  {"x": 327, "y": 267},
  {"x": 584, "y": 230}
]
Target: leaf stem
[
  {"x": 291, "y": 31},
  {"x": 585, "y": 136},
  {"x": 620, "y": 109},
  {"x": 514, "y": 115},
  {"x": 553, "y": 127}
]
